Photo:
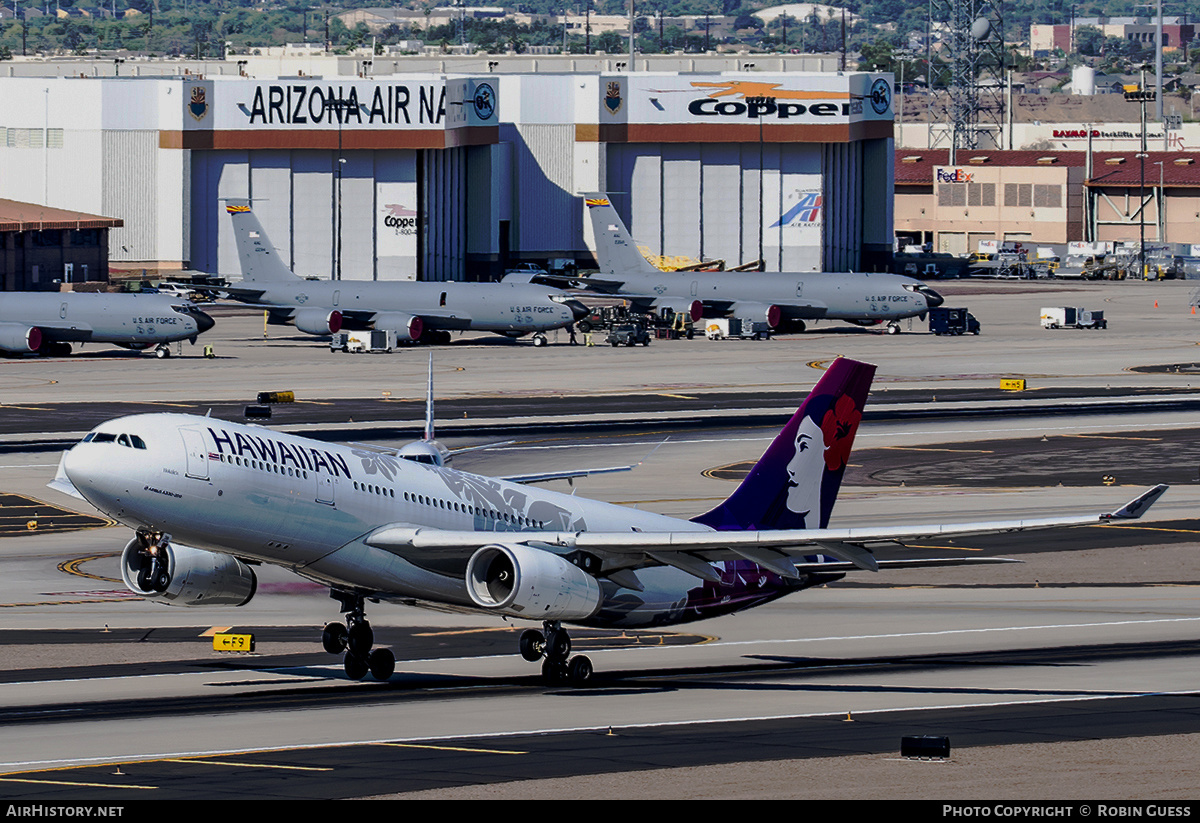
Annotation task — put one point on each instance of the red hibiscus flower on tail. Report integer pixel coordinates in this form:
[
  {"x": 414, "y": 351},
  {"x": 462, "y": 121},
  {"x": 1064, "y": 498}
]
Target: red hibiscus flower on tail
[{"x": 838, "y": 427}]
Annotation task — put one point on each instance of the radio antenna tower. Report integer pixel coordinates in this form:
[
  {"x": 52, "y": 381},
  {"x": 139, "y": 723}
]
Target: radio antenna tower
[{"x": 972, "y": 33}]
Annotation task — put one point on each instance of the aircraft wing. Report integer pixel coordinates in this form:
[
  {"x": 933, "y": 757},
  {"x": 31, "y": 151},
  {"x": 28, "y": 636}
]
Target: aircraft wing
[
  {"x": 566, "y": 474},
  {"x": 246, "y": 294},
  {"x": 559, "y": 281},
  {"x": 782, "y": 551}
]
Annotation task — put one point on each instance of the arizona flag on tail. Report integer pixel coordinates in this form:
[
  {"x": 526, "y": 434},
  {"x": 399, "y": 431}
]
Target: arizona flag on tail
[{"x": 796, "y": 481}]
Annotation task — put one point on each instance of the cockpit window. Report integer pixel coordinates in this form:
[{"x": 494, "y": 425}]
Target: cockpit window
[{"x": 131, "y": 441}]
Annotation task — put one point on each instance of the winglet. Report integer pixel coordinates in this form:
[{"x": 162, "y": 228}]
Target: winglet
[{"x": 1138, "y": 506}]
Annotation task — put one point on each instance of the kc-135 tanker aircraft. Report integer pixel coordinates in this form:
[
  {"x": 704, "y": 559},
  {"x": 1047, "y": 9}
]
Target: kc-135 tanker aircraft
[
  {"x": 786, "y": 301},
  {"x": 415, "y": 311},
  {"x": 49, "y": 322},
  {"x": 208, "y": 498}
]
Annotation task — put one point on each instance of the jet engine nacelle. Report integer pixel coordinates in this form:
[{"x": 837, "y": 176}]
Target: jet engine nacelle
[
  {"x": 18, "y": 337},
  {"x": 689, "y": 308},
  {"x": 523, "y": 582},
  {"x": 406, "y": 326},
  {"x": 176, "y": 575},
  {"x": 318, "y": 321},
  {"x": 771, "y": 313}
]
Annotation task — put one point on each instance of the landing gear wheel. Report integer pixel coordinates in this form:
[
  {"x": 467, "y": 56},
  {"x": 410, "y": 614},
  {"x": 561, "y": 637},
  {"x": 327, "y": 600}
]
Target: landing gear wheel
[
  {"x": 382, "y": 663},
  {"x": 360, "y": 638},
  {"x": 893, "y": 328},
  {"x": 554, "y": 672},
  {"x": 539, "y": 340},
  {"x": 579, "y": 670},
  {"x": 558, "y": 646},
  {"x": 356, "y": 667},
  {"x": 532, "y": 645},
  {"x": 162, "y": 351},
  {"x": 334, "y": 638}
]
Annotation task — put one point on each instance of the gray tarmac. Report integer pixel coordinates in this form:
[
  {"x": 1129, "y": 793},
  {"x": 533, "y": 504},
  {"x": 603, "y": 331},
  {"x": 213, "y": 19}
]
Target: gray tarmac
[{"x": 1140, "y": 595}]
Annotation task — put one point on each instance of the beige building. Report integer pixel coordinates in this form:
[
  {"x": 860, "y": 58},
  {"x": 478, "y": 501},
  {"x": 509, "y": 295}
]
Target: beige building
[
  {"x": 990, "y": 195},
  {"x": 1045, "y": 197}
]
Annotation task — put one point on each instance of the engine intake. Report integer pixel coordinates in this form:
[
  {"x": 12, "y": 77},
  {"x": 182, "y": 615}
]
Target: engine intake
[
  {"x": 406, "y": 326},
  {"x": 17, "y": 337},
  {"x": 318, "y": 321},
  {"x": 523, "y": 582},
  {"x": 176, "y": 575}
]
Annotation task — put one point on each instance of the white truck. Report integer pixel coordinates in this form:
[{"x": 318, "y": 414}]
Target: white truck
[
  {"x": 726, "y": 328},
  {"x": 1069, "y": 317},
  {"x": 357, "y": 342}
]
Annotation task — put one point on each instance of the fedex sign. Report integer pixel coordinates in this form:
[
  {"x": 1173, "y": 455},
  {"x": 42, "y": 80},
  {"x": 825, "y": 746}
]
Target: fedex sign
[{"x": 953, "y": 176}]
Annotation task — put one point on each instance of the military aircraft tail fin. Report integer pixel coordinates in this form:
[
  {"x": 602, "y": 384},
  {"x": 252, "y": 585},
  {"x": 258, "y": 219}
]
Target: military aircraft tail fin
[
  {"x": 260, "y": 261},
  {"x": 616, "y": 253}
]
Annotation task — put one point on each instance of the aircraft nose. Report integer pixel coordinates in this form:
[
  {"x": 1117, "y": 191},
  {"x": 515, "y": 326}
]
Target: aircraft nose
[
  {"x": 932, "y": 298},
  {"x": 578, "y": 310},
  {"x": 81, "y": 466},
  {"x": 204, "y": 322}
]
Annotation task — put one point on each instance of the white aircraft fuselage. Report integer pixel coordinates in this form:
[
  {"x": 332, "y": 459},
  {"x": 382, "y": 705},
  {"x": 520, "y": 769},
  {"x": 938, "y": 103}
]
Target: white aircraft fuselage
[{"x": 307, "y": 505}]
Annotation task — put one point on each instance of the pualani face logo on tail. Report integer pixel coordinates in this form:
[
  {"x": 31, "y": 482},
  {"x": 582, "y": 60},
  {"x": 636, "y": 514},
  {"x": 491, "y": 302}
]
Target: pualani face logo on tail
[
  {"x": 806, "y": 211},
  {"x": 796, "y": 481},
  {"x": 823, "y": 442}
]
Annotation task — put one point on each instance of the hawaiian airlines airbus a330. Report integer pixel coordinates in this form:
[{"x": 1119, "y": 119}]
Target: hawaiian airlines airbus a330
[{"x": 208, "y": 499}]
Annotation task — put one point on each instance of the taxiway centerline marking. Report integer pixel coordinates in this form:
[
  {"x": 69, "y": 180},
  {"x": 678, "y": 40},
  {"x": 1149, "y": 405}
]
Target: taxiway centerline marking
[{"x": 234, "y": 763}]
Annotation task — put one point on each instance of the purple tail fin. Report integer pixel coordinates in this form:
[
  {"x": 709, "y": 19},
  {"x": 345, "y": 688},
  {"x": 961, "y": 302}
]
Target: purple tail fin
[{"x": 794, "y": 484}]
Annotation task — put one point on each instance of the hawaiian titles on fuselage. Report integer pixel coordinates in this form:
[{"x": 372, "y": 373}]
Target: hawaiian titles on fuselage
[{"x": 278, "y": 452}]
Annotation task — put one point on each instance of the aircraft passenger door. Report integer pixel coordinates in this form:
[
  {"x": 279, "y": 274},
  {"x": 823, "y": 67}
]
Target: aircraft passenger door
[
  {"x": 324, "y": 489},
  {"x": 337, "y": 295},
  {"x": 799, "y": 288},
  {"x": 197, "y": 454},
  {"x": 62, "y": 311},
  {"x": 695, "y": 287}
]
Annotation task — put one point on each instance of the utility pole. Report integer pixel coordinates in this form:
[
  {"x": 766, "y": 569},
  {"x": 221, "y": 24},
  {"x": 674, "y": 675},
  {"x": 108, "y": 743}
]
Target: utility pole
[{"x": 1141, "y": 96}]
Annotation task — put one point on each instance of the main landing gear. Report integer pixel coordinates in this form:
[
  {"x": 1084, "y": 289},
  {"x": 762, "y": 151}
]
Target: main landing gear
[
  {"x": 356, "y": 641},
  {"x": 552, "y": 646}
]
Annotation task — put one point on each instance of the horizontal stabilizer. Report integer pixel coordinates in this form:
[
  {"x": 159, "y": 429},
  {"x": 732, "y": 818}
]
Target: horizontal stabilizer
[{"x": 1136, "y": 507}]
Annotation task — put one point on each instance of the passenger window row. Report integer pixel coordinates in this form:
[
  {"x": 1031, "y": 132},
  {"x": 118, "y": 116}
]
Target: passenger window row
[
  {"x": 262, "y": 465},
  {"x": 463, "y": 508}
]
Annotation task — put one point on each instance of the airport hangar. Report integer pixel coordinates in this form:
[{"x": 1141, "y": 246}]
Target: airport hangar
[{"x": 454, "y": 176}]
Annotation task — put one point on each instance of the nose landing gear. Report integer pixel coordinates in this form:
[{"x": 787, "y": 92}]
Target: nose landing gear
[
  {"x": 552, "y": 645},
  {"x": 356, "y": 641}
]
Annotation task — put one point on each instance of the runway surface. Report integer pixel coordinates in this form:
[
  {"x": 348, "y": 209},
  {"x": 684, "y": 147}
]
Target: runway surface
[{"x": 1095, "y": 636}]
